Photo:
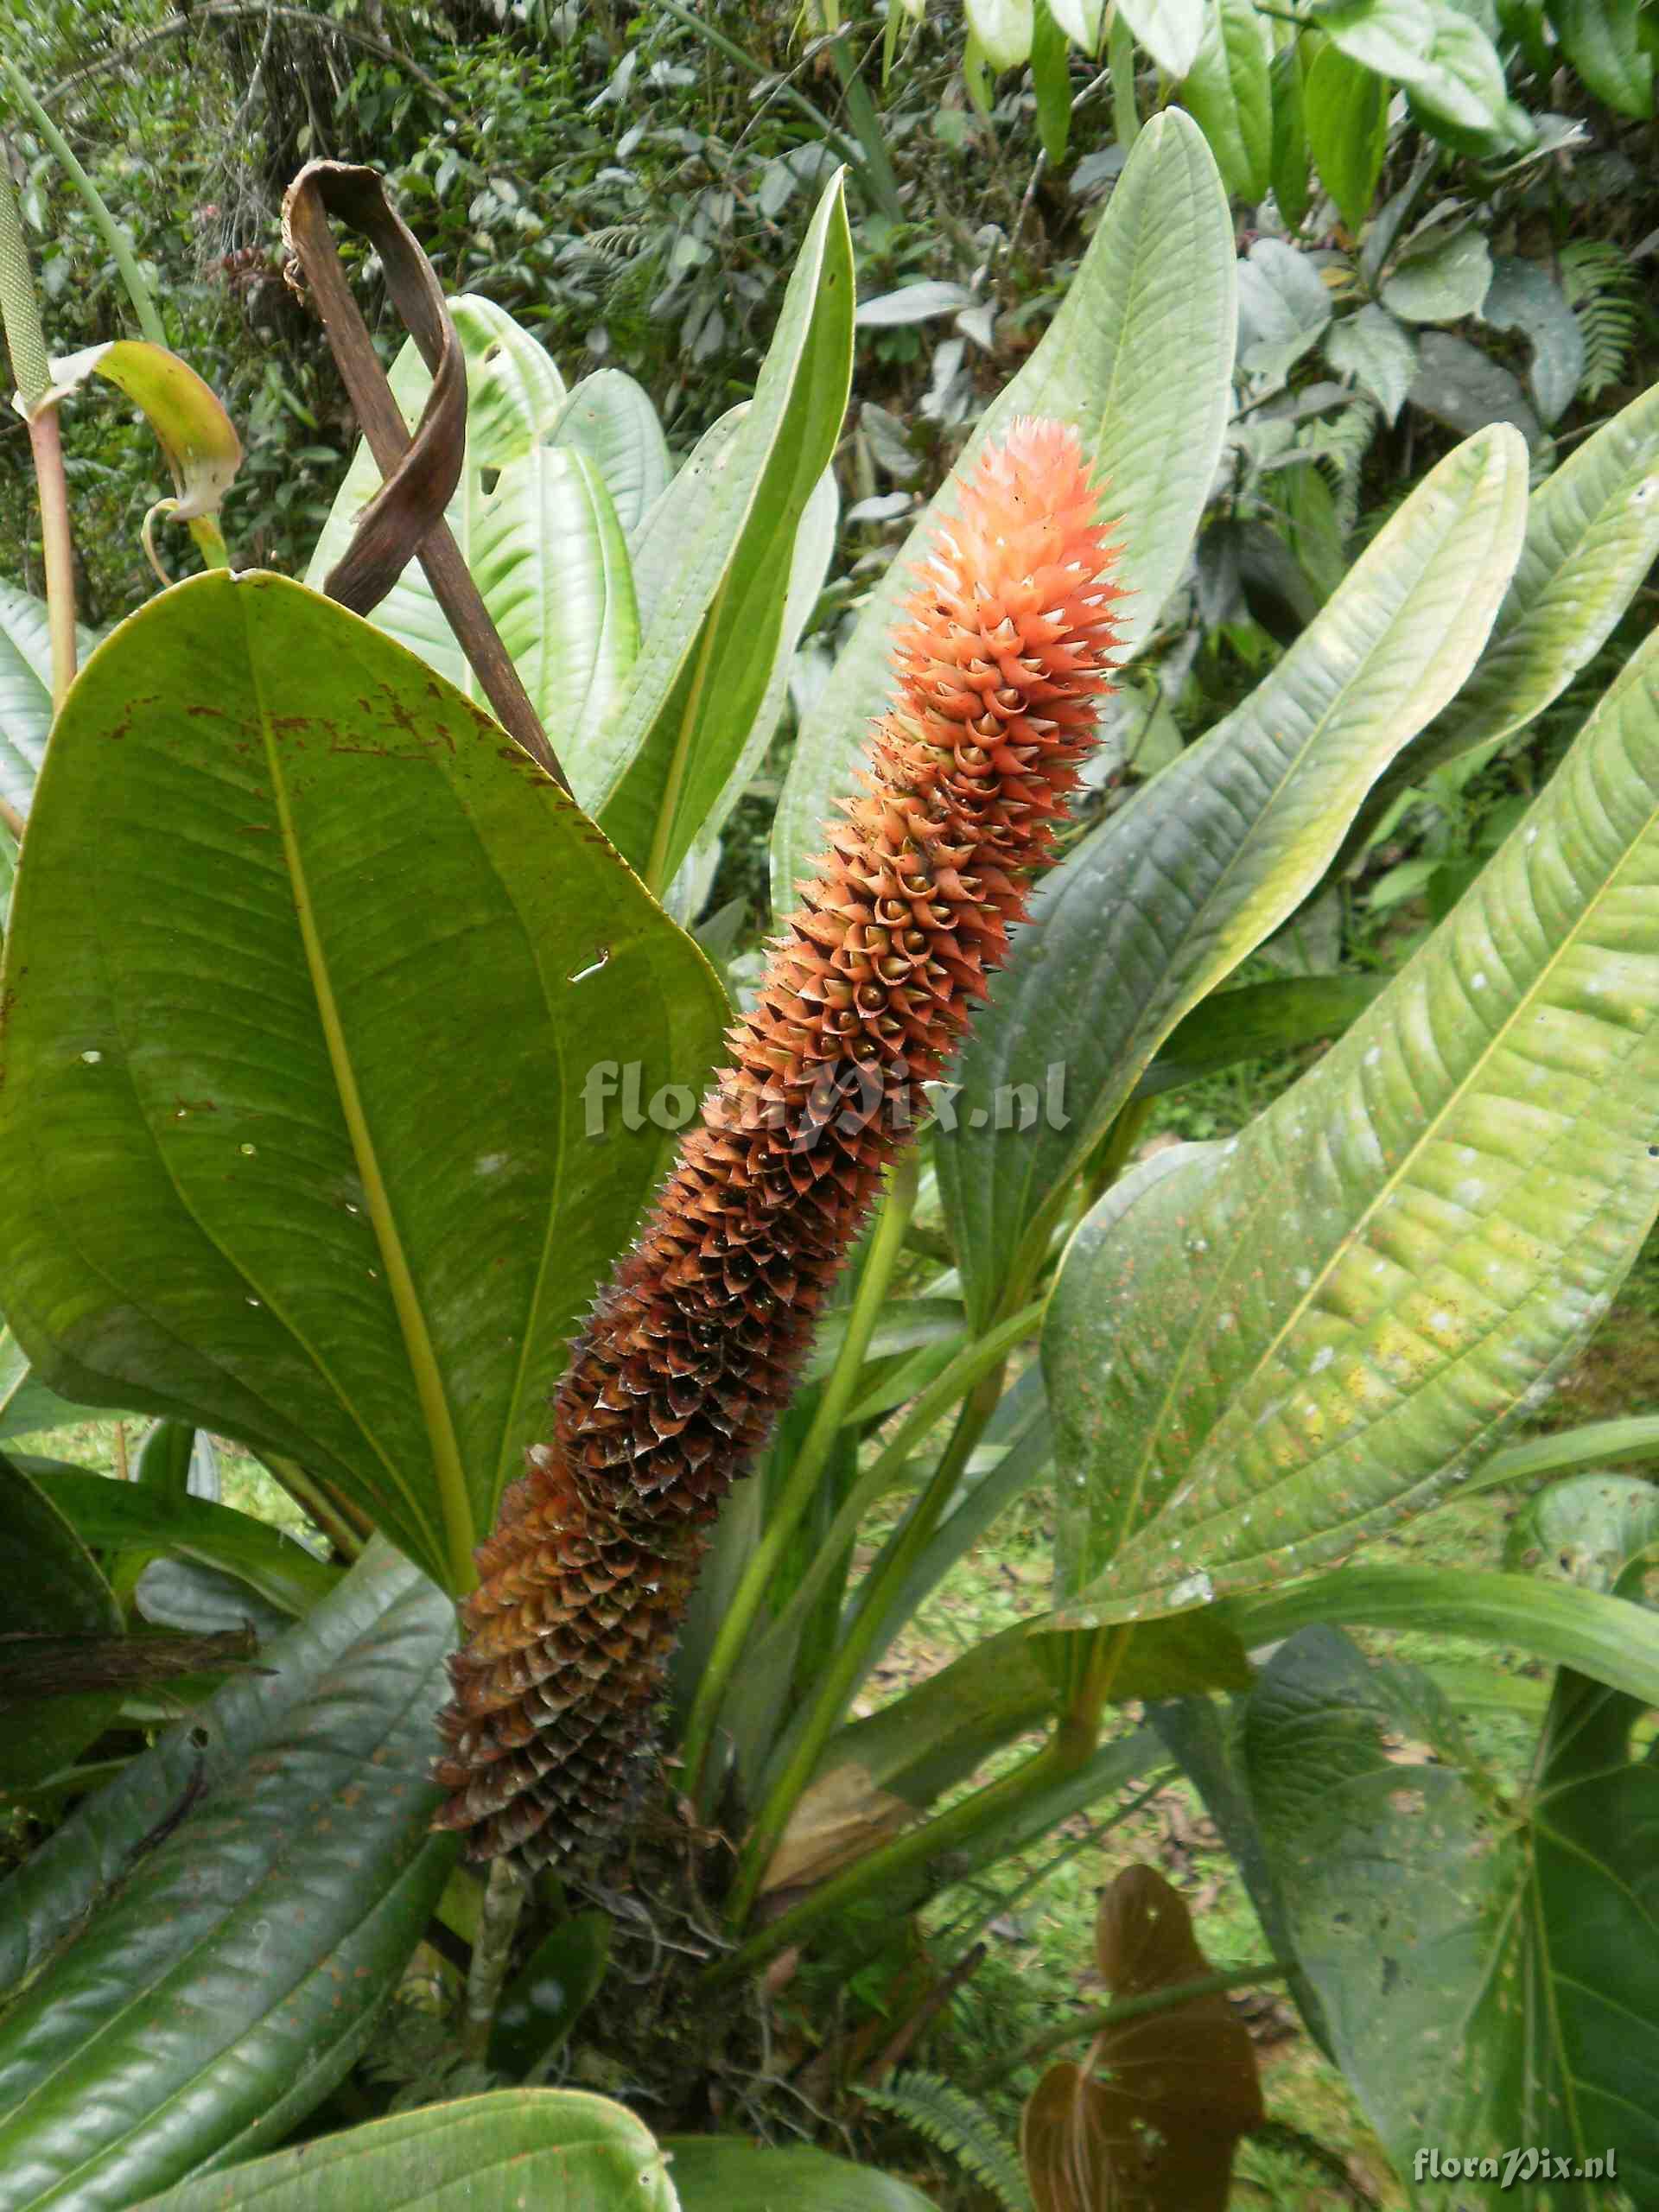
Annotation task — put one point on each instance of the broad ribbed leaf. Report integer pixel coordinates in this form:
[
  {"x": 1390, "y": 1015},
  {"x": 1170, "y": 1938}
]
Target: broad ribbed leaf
[
  {"x": 558, "y": 2149},
  {"x": 1228, "y": 94},
  {"x": 187, "y": 1994},
  {"x": 49, "y": 1586},
  {"x": 1489, "y": 1971},
  {"x": 707, "y": 652},
  {"x": 537, "y": 527},
  {"x": 299, "y": 1138},
  {"x": 25, "y": 693},
  {"x": 1593, "y": 534},
  {"x": 1301, "y": 1336},
  {"x": 610, "y": 419},
  {"x": 1154, "y": 909},
  {"x": 1140, "y": 359}
]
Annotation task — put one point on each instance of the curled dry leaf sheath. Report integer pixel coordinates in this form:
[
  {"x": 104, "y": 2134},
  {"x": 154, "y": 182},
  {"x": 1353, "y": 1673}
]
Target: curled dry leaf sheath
[{"x": 690, "y": 1353}]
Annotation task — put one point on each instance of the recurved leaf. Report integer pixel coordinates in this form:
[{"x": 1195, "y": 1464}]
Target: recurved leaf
[
  {"x": 1154, "y": 908},
  {"x": 371, "y": 919},
  {"x": 1154, "y": 2116},
  {"x": 1323, "y": 1326},
  {"x": 1139, "y": 358},
  {"x": 200, "y": 1952},
  {"x": 560, "y": 2149}
]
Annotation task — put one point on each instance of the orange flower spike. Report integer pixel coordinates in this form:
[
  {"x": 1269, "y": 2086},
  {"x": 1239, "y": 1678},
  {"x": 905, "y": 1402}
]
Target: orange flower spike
[{"x": 690, "y": 1353}]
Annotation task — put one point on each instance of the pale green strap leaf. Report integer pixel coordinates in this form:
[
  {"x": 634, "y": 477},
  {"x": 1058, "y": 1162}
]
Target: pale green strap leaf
[
  {"x": 610, "y": 418},
  {"x": 711, "y": 638},
  {"x": 1140, "y": 359},
  {"x": 1321, "y": 1326},
  {"x": 1154, "y": 909}
]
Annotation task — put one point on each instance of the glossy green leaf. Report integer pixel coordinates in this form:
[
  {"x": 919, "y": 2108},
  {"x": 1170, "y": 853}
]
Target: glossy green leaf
[
  {"x": 1323, "y": 1326},
  {"x": 1595, "y": 1443},
  {"x": 1603, "y": 40},
  {"x": 26, "y": 1404},
  {"x": 48, "y": 1586},
  {"x": 713, "y": 2173},
  {"x": 557, "y": 2150},
  {"x": 1346, "y": 107},
  {"x": 138, "y": 1516},
  {"x": 1441, "y": 56},
  {"x": 369, "y": 919},
  {"x": 176, "y": 1461},
  {"x": 1171, "y": 31},
  {"x": 201, "y": 1951},
  {"x": 1003, "y": 29},
  {"x": 707, "y": 654},
  {"x": 1140, "y": 359},
  {"x": 610, "y": 419},
  {"x": 1228, "y": 94},
  {"x": 1290, "y": 172},
  {"x": 814, "y": 549},
  {"x": 1153, "y": 910},
  {"x": 1520, "y": 1941},
  {"x": 545, "y": 1999},
  {"x": 1050, "y": 81}
]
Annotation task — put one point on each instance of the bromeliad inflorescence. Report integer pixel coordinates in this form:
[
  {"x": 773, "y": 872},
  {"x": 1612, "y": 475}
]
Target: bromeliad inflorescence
[{"x": 1001, "y": 649}]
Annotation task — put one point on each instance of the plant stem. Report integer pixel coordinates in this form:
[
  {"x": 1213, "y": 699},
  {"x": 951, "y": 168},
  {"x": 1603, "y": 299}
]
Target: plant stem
[
  {"x": 760, "y": 1574},
  {"x": 846, "y": 1668},
  {"x": 1120, "y": 56},
  {"x": 329, "y": 1511},
  {"x": 114, "y": 237},
  {"x": 1089, "y": 2024},
  {"x": 903, "y": 1855},
  {"x": 47, "y": 445},
  {"x": 498, "y": 1919}
]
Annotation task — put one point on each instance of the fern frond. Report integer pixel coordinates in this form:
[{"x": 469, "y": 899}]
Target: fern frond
[
  {"x": 1340, "y": 443},
  {"x": 1600, "y": 287},
  {"x": 950, "y": 2119}
]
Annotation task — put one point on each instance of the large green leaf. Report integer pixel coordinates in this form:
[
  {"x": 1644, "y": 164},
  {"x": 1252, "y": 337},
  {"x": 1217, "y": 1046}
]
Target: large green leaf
[
  {"x": 200, "y": 1952},
  {"x": 302, "y": 1132},
  {"x": 713, "y": 2173},
  {"x": 610, "y": 418},
  {"x": 25, "y": 691},
  {"x": 1170, "y": 30},
  {"x": 48, "y": 1586},
  {"x": 1490, "y": 1973},
  {"x": 559, "y": 2149},
  {"x": 1228, "y": 92},
  {"x": 134, "y": 1517},
  {"x": 1603, "y": 40},
  {"x": 26, "y": 1404},
  {"x": 707, "y": 654},
  {"x": 1592, "y": 535},
  {"x": 1140, "y": 359},
  {"x": 1297, "y": 1337},
  {"x": 1154, "y": 909},
  {"x": 537, "y": 527}
]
